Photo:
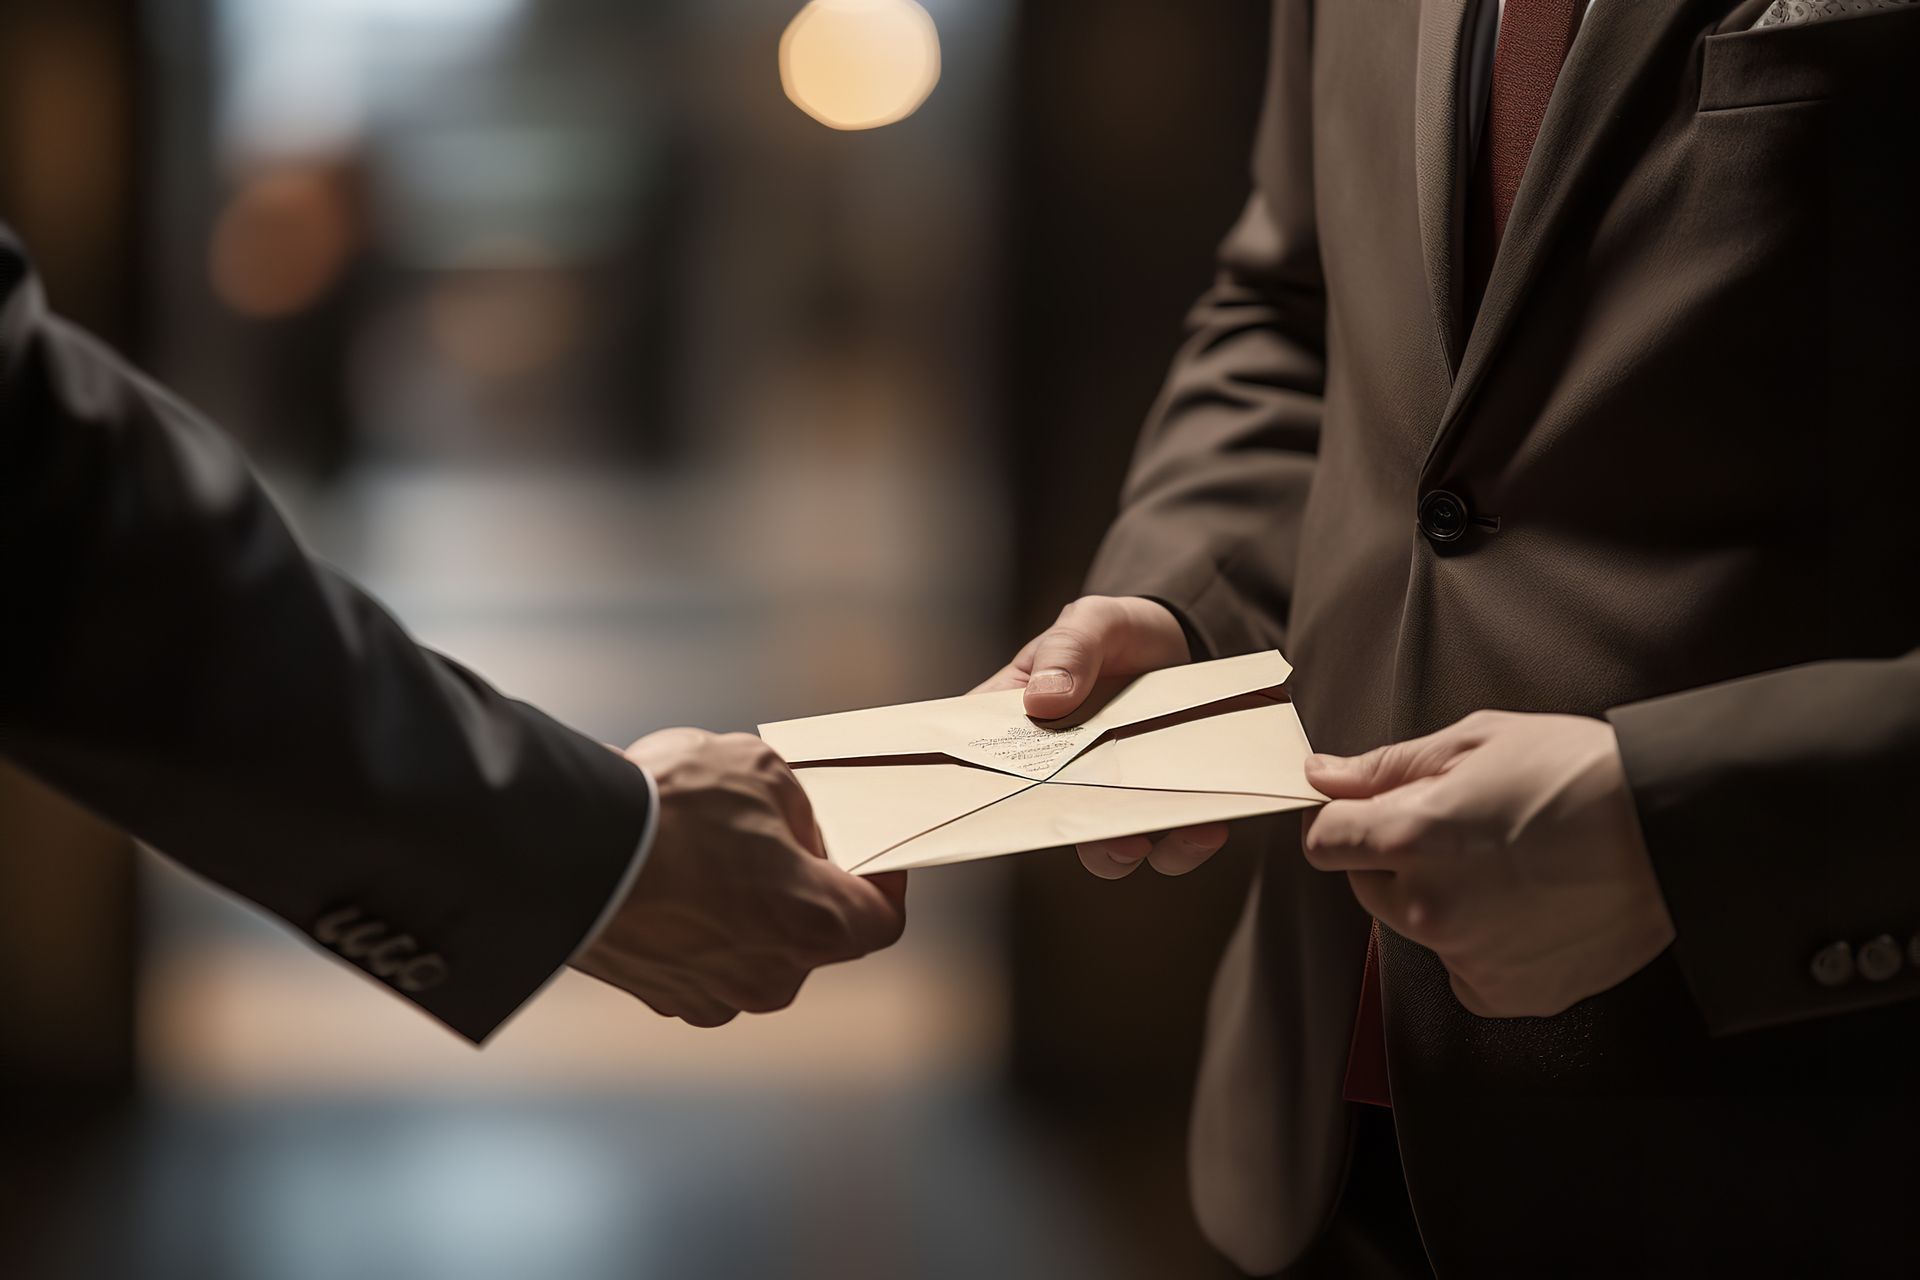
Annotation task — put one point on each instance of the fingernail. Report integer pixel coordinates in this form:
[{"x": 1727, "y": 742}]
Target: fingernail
[
  {"x": 1319, "y": 760},
  {"x": 1052, "y": 680}
]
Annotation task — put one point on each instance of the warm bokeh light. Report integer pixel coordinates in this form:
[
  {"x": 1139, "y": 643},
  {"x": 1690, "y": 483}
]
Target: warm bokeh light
[
  {"x": 280, "y": 243},
  {"x": 860, "y": 64}
]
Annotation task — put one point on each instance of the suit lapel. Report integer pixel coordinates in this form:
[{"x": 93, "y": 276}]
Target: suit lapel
[
  {"x": 1617, "y": 42},
  {"x": 1440, "y": 158}
]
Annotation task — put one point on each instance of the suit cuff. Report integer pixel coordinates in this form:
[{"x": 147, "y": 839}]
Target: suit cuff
[
  {"x": 632, "y": 874},
  {"x": 1773, "y": 808},
  {"x": 1198, "y": 649}
]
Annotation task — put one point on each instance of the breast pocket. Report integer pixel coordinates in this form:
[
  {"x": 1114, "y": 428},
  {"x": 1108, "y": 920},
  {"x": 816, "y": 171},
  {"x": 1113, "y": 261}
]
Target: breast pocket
[{"x": 1869, "y": 56}]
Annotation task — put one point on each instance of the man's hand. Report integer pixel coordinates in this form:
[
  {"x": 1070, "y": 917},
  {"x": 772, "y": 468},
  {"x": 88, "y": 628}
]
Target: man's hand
[
  {"x": 1108, "y": 636},
  {"x": 1508, "y": 844},
  {"x": 736, "y": 903}
]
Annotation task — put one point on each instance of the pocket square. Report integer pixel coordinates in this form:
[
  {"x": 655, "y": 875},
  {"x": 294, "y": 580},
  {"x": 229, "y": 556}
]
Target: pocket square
[{"x": 1793, "y": 13}]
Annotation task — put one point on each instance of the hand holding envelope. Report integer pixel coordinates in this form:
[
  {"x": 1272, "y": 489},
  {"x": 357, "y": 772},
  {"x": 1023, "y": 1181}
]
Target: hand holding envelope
[{"x": 957, "y": 779}]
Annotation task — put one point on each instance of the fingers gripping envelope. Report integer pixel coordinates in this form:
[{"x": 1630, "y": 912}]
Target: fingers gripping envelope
[{"x": 957, "y": 779}]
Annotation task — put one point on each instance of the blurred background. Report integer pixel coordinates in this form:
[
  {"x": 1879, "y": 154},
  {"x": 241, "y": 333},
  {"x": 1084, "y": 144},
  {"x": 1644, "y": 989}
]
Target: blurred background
[{"x": 590, "y": 337}]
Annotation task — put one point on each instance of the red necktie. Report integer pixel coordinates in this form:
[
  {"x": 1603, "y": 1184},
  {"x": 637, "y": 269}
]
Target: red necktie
[
  {"x": 1534, "y": 38},
  {"x": 1367, "y": 1054}
]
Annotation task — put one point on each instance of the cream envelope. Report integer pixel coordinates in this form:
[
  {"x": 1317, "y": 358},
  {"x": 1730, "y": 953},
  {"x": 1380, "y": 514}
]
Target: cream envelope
[{"x": 963, "y": 778}]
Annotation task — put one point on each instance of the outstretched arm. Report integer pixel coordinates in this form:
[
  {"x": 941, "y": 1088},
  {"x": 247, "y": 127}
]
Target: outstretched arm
[{"x": 174, "y": 660}]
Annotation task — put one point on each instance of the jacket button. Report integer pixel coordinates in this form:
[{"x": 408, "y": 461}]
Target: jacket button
[
  {"x": 1443, "y": 516},
  {"x": 1833, "y": 965},
  {"x": 1879, "y": 959}
]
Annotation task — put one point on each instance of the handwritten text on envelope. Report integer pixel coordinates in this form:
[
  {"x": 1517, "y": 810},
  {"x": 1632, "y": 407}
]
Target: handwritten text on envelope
[{"x": 963, "y": 778}]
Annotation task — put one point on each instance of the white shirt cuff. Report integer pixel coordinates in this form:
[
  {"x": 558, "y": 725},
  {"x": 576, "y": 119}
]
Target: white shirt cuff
[{"x": 625, "y": 886}]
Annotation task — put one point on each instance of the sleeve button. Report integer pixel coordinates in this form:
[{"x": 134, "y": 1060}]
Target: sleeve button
[
  {"x": 1879, "y": 959},
  {"x": 1833, "y": 965}
]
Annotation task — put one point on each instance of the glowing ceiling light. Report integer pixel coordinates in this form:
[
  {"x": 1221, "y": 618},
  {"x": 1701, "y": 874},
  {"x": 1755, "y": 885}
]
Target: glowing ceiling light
[{"x": 860, "y": 64}]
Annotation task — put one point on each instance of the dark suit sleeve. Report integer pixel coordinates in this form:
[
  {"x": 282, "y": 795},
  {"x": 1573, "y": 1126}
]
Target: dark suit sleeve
[
  {"x": 172, "y": 659},
  {"x": 1779, "y": 811},
  {"x": 1210, "y": 514}
]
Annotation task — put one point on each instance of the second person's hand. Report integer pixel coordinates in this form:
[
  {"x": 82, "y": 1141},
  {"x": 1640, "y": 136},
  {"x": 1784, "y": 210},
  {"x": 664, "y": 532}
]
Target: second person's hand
[
  {"x": 736, "y": 903},
  {"x": 1099, "y": 636}
]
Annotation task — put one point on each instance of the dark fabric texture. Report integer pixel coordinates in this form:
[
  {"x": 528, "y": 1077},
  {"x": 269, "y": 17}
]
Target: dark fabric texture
[
  {"x": 1373, "y": 1235},
  {"x": 173, "y": 660},
  {"x": 1685, "y": 429}
]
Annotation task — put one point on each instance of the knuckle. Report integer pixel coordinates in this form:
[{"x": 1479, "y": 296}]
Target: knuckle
[
  {"x": 1418, "y": 834},
  {"x": 1392, "y": 843},
  {"x": 746, "y": 746},
  {"x": 708, "y": 1016},
  {"x": 1067, "y": 640},
  {"x": 754, "y": 759},
  {"x": 1083, "y": 628},
  {"x": 1402, "y": 836},
  {"x": 1381, "y": 759},
  {"x": 671, "y": 748},
  {"x": 819, "y": 931},
  {"x": 1180, "y": 853},
  {"x": 1433, "y": 805},
  {"x": 1428, "y": 918},
  {"x": 891, "y": 932},
  {"x": 1485, "y": 720},
  {"x": 1079, "y": 609}
]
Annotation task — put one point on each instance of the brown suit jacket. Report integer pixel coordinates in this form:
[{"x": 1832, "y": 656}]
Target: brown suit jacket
[{"x": 1685, "y": 426}]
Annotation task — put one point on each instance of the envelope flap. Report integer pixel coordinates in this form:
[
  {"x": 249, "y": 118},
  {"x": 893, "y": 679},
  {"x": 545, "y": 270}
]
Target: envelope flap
[
  {"x": 1258, "y": 749},
  {"x": 910, "y": 729},
  {"x": 993, "y": 730},
  {"x": 1175, "y": 689}
]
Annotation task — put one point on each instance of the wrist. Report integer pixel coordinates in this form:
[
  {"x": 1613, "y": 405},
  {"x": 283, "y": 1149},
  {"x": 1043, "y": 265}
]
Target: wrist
[
  {"x": 1630, "y": 837},
  {"x": 623, "y": 889}
]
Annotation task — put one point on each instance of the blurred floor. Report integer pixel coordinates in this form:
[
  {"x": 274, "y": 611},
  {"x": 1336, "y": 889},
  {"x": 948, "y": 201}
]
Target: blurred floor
[{"x": 682, "y": 1184}]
